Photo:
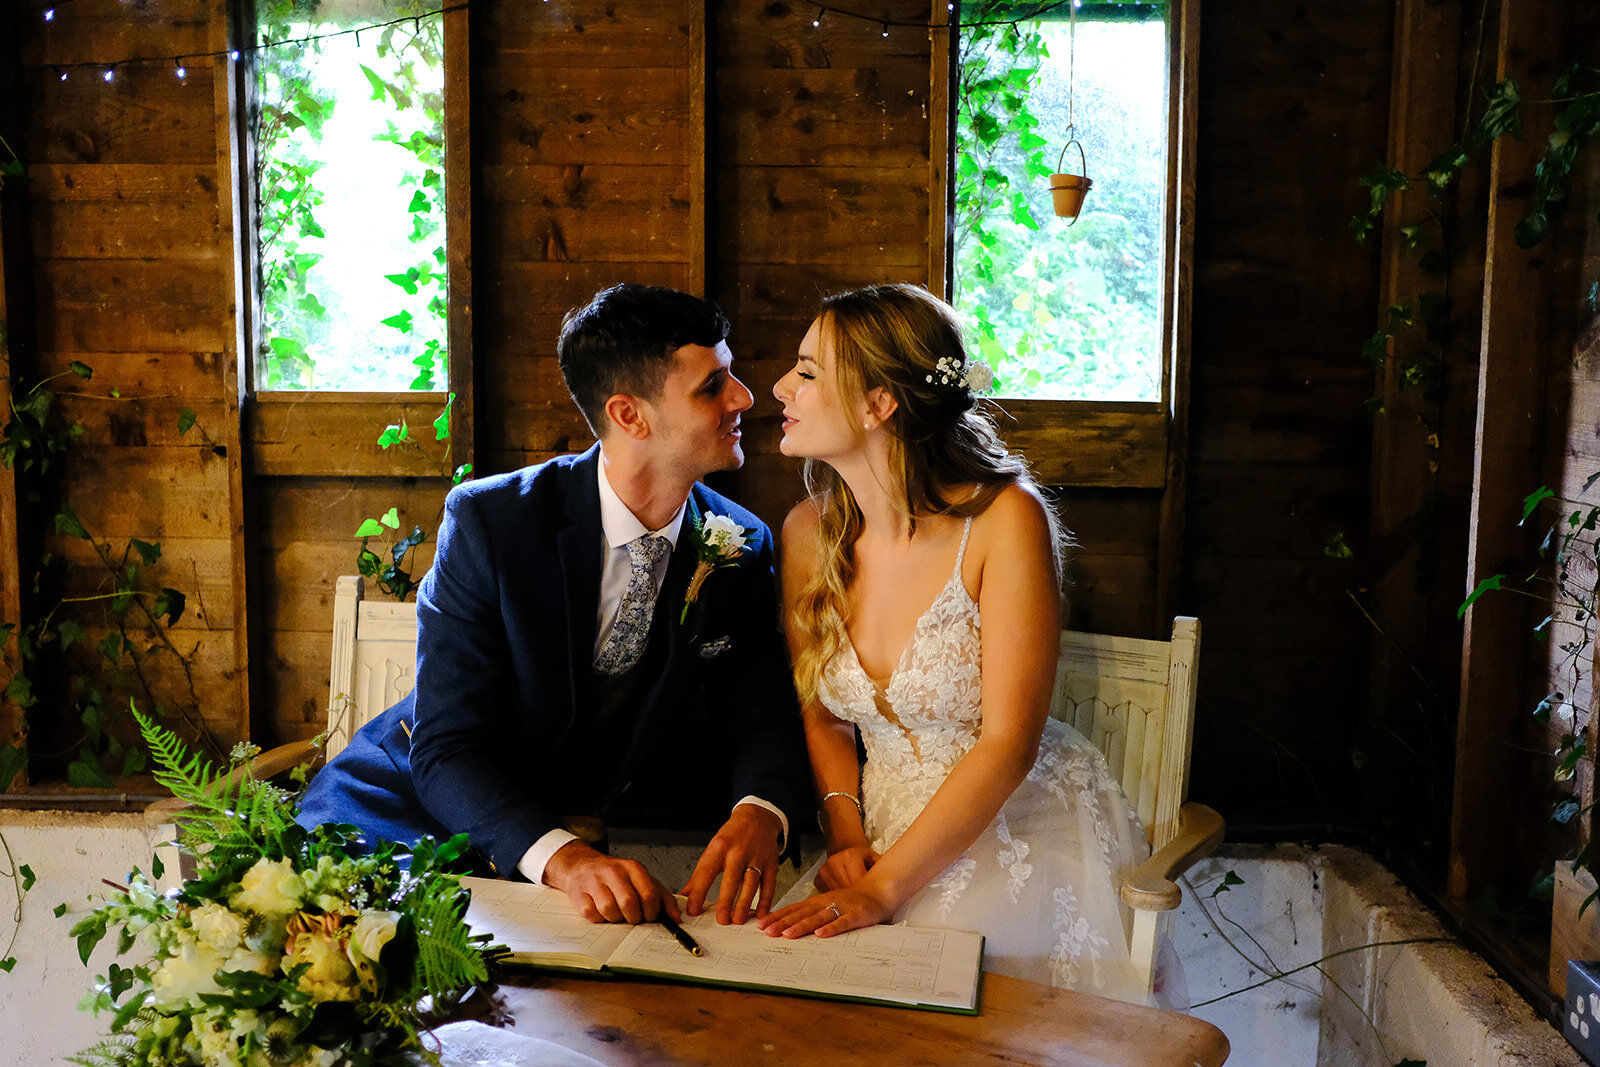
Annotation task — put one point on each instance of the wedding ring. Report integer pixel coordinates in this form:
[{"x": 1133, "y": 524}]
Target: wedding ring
[
  {"x": 747, "y": 870},
  {"x": 835, "y": 909}
]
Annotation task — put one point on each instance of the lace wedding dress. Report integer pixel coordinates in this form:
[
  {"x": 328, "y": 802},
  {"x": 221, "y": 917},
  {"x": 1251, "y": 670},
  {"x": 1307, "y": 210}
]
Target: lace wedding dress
[{"x": 1041, "y": 881}]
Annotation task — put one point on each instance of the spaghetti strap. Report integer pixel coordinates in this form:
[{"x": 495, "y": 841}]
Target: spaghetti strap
[{"x": 961, "y": 553}]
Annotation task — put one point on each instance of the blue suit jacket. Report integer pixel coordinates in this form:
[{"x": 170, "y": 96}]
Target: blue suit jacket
[{"x": 505, "y": 646}]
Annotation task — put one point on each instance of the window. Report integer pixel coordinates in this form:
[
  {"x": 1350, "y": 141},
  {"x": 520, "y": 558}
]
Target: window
[
  {"x": 350, "y": 196},
  {"x": 1063, "y": 312}
]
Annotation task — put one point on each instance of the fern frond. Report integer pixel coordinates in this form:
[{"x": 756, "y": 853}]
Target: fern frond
[
  {"x": 113, "y": 1052},
  {"x": 447, "y": 957}
]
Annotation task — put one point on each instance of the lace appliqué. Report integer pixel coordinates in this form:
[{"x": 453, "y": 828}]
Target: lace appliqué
[
  {"x": 952, "y": 883},
  {"x": 1078, "y": 943},
  {"x": 1013, "y": 859}
]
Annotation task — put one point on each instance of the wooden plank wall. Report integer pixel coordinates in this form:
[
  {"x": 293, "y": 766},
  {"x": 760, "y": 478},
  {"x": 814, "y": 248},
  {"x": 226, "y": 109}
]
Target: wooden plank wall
[
  {"x": 1293, "y": 105},
  {"x": 132, "y": 271}
]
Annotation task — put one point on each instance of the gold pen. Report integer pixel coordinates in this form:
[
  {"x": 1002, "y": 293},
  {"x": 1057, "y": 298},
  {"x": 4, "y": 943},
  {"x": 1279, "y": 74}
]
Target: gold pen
[{"x": 682, "y": 936}]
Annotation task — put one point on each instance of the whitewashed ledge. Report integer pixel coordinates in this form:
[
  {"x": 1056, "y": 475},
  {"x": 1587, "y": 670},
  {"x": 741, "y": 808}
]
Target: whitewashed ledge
[{"x": 1436, "y": 1002}]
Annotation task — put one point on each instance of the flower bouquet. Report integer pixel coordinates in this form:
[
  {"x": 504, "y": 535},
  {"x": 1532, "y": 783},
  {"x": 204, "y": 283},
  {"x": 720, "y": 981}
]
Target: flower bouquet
[{"x": 287, "y": 948}]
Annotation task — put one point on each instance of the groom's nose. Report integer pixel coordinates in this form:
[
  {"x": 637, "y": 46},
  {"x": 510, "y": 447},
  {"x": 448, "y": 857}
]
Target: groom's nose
[{"x": 740, "y": 396}]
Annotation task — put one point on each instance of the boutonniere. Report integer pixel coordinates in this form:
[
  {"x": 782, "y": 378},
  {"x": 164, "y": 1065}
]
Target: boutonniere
[{"x": 719, "y": 542}]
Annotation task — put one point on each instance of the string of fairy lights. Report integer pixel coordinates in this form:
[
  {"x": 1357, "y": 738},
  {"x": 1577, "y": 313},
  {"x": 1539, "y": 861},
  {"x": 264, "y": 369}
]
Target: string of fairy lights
[{"x": 107, "y": 70}]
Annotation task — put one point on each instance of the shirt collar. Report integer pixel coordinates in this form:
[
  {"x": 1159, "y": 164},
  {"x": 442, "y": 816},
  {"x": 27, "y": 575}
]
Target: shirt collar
[{"x": 619, "y": 524}]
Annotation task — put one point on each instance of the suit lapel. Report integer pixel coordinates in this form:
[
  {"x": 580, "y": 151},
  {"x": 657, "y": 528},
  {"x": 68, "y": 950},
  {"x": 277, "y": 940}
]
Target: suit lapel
[{"x": 578, "y": 549}]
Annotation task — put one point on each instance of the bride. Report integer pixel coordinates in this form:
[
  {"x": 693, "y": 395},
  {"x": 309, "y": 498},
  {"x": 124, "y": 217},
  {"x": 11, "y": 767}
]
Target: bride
[{"x": 922, "y": 600}]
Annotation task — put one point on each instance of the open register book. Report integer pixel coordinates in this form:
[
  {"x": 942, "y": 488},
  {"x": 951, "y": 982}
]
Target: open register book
[{"x": 914, "y": 967}]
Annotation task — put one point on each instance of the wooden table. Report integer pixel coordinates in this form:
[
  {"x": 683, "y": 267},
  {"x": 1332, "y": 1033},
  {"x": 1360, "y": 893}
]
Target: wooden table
[{"x": 619, "y": 1021}]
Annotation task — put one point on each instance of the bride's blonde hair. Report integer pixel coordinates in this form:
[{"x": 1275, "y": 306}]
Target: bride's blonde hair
[{"x": 905, "y": 340}]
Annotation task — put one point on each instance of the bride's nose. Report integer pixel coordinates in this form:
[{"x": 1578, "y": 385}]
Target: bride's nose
[{"x": 779, "y": 393}]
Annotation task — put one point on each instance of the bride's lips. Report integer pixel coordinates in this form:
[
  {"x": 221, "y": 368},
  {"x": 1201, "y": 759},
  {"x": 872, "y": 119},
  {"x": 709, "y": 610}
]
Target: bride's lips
[{"x": 788, "y": 420}]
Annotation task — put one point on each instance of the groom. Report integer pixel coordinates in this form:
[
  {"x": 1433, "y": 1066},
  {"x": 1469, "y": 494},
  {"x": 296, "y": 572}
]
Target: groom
[{"x": 568, "y": 662}]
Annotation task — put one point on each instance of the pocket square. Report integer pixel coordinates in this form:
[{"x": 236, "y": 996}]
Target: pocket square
[{"x": 715, "y": 647}]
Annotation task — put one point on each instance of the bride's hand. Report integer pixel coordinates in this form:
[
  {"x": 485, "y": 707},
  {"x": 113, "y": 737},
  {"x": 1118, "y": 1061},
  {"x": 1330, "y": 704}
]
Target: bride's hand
[
  {"x": 846, "y": 867},
  {"x": 827, "y": 914}
]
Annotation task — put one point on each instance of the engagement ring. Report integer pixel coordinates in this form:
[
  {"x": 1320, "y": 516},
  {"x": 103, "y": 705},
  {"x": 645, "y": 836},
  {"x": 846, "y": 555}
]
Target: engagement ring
[
  {"x": 756, "y": 869},
  {"x": 835, "y": 909}
]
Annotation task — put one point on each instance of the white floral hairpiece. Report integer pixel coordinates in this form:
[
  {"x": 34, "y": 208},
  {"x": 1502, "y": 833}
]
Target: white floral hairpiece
[{"x": 975, "y": 375}]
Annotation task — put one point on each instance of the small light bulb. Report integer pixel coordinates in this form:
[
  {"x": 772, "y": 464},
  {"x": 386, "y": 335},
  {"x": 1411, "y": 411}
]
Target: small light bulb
[
  {"x": 182, "y": 74},
  {"x": 886, "y": 29},
  {"x": 234, "y": 55},
  {"x": 49, "y": 14},
  {"x": 63, "y": 75},
  {"x": 109, "y": 74}
]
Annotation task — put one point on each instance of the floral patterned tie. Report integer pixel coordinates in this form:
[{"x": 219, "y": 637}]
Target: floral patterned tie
[{"x": 625, "y": 643}]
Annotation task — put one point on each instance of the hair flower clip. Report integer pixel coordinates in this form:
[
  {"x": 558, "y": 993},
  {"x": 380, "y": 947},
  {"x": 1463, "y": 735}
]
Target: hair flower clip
[{"x": 975, "y": 375}]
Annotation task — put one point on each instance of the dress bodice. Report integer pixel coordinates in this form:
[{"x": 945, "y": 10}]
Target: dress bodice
[{"x": 927, "y": 716}]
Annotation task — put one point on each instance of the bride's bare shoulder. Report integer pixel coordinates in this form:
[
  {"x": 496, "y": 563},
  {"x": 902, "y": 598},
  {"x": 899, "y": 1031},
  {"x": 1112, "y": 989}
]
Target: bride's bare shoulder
[{"x": 797, "y": 544}]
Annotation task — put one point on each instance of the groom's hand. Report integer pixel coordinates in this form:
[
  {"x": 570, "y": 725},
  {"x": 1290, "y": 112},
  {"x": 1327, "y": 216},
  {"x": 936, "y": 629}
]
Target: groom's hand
[
  {"x": 745, "y": 853},
  {"x": 607, "y": 889}
]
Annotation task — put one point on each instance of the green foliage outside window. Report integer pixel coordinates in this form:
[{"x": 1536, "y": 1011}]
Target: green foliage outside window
[
  {"x": 1062, "y": 312},
  {"x": 349, "y": 134}
]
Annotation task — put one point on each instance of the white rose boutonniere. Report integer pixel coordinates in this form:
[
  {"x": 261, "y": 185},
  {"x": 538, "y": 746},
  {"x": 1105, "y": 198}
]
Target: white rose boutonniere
[{"x": 719, "y": 542}]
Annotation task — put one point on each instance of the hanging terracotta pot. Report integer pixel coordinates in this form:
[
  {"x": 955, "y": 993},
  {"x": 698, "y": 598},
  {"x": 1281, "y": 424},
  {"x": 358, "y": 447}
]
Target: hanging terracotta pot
[{"x": 1068, "y": 190}]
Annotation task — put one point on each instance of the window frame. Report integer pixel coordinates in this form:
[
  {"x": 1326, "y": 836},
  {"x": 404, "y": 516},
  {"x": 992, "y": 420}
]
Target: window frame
[
  {"x": 316, "y": 432},
  {"x": 1105, "y": 444}
]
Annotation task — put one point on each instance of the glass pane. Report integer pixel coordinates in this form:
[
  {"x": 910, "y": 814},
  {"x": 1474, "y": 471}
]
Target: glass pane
[
  {"x": 350, "y": 185},
  {"x": 1063, "y": 311}
]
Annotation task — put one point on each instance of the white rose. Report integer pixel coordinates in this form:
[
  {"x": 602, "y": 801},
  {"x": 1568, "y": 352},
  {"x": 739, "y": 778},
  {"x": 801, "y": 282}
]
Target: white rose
[
  {"x": 243, "y": 959},
  {"x": 217, "y": 927},
  {"x": 188, "y": 973},
  {"x": 270, "y": 888},
  {"x": 980, "y": 376},
  {"x": 723, "y": 534},
  {"x": 373, "y": 930}
]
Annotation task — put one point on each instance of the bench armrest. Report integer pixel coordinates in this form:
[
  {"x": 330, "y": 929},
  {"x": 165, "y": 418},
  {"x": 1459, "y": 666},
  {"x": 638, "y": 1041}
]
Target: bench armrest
[{"x": 1150, "y": 886}]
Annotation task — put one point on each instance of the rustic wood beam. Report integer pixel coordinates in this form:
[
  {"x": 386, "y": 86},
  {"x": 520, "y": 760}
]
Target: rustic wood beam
[
  {"x": 1492, "y": 768},
  {"x": 459, "y": 171},
  {"x": 941, "y": 134},
  {"x": 1183, "y": 74},
  {"x": 238, "y": 343},
  {"x": 698, "y": 237}
]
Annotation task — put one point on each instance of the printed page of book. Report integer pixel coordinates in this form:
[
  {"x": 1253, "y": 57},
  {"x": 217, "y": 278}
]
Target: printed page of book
[
  {"x": 889, "y": 964},
  {"x": 539, "y": 925}
]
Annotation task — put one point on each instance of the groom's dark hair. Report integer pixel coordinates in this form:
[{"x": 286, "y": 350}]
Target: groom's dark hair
[{"x": 622, "y": 342}]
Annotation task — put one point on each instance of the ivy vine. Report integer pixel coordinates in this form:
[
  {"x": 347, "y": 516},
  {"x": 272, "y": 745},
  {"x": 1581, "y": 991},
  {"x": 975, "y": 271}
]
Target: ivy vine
[{"x": 294, "y": 350}]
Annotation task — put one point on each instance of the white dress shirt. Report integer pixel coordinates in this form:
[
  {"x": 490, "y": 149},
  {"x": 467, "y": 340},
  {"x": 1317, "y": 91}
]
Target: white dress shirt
[{"x": 618, "y": 526}]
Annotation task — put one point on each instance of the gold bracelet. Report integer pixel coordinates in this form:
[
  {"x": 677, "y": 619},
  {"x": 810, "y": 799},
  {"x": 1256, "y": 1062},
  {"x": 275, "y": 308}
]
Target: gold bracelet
[{"x": 851, "y": 797}]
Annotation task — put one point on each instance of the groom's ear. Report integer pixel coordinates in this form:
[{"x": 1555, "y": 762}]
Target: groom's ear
[{"x": 628, "y": 416}]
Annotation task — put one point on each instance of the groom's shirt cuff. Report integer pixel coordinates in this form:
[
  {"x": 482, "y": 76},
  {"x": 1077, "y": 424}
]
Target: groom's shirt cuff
[
  {"x": 783, "y": 820},
  {"x": 533, "y": 861}
]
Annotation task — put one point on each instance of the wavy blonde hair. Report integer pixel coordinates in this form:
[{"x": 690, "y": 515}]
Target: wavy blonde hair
[{"x": 895, "y": 337}]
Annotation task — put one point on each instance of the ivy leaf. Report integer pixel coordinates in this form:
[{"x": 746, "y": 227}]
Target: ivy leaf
[
  {"x": 147, "y": 551},
  {"x": 132, "y": 763},
  {"x": 1491, "y": 582},
  {"x": 391, "y": 518},
  {"x": 1229, "y": 880},
  {"x": 20, "y": 691},
  {"x": 59, "y": 910},
  {"x": 1503, "y": 116},
  {"x": 1444, "y": 167},
  {"x": 401, "y": 322},
  {"x": 369, "y": 528},
  {"x": 81, "y": 369},
  {"x": 1533, "y": 229},
  {"x": 170, "y": 603},
  {"x": 379, "y": 87},
  {"x": 394, "y": 434},
  {"x": 406, "y": 281},
  {"x": 1376, "y": 348},
  {"x": 8, "y": 963},
  {"x": 67, "y": 523},
  {"x": 27, "y": 877},
  {"x": 368, "y": 564},
  {"x": 419, "y": 202},
  {"x": 69, "y": 632},
  {"x": 441, "y": 425},
  {"x": 85, "y": 772},
  {"x": 1382, "y": 181},
  {"x": 13, "y": 758},
  {"x": 460, "y": 474},
  {"x": 185, "y": 421},
  {"x": 1533, "y": 500}
]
